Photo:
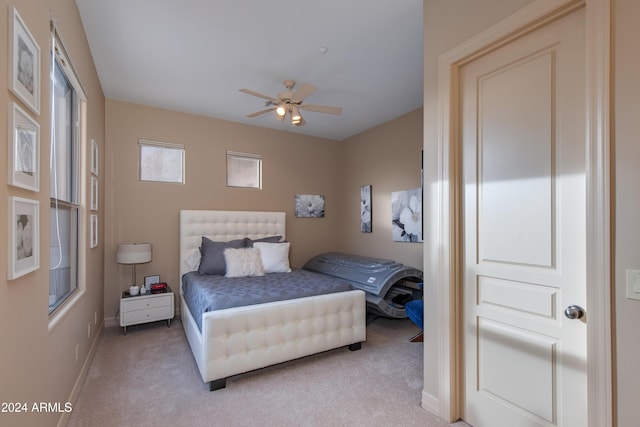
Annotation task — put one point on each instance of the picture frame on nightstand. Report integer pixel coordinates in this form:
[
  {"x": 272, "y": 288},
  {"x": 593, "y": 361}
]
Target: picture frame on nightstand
[{"x": 150, "y": 280}]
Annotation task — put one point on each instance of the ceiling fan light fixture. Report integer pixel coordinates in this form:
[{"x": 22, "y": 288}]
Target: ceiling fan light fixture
[
  {"x": 287, "y": 103},
  {"x": 296, "y": 118}
]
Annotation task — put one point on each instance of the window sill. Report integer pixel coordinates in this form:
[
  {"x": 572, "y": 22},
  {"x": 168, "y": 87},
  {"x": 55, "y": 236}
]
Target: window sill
[{"x": 59, "y": 313}]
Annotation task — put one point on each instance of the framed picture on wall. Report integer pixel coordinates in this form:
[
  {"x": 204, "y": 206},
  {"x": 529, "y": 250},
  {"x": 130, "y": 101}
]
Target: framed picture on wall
[
  {"x": 24, "y": 252},
  {"x": 94, "y": 193},
  {"x": 406, "y": 215},
  {"x": 309, "y": 206},
  {"x": 24, "y": 62},
  {"x": 24, "y": 150},
  {"x": 94, "y": 157},
  {"x": 93, "y": 231},
  {"x": 365, "y": 209}
]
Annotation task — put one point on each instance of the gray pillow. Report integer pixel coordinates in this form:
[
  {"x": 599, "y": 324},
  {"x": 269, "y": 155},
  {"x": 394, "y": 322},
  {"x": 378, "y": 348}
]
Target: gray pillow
[
  {"x": 212, "y": 254},
  {"x": 270, "y": 239}
]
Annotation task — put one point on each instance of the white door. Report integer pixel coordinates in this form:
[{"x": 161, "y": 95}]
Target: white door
[{"x": 523, "y": 135}]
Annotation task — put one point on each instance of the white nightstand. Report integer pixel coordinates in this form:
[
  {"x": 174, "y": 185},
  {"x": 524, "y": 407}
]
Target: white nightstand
[{"x": 138, "y": 309}]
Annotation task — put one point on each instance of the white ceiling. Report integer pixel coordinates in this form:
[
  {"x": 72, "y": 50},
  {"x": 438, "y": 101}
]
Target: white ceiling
[{"x": 195, "y": 55}]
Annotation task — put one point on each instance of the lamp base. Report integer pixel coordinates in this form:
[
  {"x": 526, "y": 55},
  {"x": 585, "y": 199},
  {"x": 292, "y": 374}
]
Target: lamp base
[{"x": 133, "y": 276}]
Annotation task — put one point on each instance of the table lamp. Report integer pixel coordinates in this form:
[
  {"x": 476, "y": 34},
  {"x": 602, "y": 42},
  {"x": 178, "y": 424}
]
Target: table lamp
[{"x": 133, "y": 253}]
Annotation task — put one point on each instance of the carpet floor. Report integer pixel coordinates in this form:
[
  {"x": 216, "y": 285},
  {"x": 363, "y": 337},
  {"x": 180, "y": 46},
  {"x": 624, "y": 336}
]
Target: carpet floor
[{"x": 149, "y": 378}]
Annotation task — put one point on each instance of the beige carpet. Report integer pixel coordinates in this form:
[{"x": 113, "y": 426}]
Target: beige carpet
[{"x": 149, "y": 378}]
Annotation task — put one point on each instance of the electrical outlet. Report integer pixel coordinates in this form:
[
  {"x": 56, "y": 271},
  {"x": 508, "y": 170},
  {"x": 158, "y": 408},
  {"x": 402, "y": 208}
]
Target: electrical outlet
[{"x": 77, "y": 351}]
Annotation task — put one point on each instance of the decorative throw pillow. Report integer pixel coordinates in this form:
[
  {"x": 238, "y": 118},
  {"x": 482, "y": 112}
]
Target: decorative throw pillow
[
  {"x": 270, "y": 239},
  {"x": 212, "y": 260},
  {"x": 275, "y": 256},
  {"x": 193, "y": 260},
  {"x": 243, "y": 262}
]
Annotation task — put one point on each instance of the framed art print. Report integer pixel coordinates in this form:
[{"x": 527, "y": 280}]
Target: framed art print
[
  {"x": 24, "y": 150},
  {"x": 93, "y": 223},
  {"x": 309, "y": 206},
  {"x": 365, "y": 209},
  {"x": 94, "y": 194},
  {"x": 24, "y": 62},
  {"x": 24, "y": 254},
  {"x": 94, "y": 157},
  {"x": 406, "y": 215}
]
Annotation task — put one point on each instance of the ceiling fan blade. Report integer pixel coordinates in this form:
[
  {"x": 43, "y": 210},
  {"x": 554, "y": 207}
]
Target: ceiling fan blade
[
  {"x": 259, "y": 95},
  {"x": 259, "y": 113},
  {"x": 321, "y": 108},
  {"x": 303, "y": 91}
]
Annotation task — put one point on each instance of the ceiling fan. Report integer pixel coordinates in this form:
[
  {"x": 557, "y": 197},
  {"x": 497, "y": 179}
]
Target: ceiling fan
[{"x": 290, "y": 102}]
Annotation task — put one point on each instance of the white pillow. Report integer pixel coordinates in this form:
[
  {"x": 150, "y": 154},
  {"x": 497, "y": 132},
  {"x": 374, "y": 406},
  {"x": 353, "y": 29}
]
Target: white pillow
[
  {"x": 243, "y": 262},
  {"x": 193, "y": 260},
  {"x": 275, "y": 256}
]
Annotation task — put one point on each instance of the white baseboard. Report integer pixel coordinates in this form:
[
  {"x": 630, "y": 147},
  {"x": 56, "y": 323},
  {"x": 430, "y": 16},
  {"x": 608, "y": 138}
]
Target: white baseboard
[
  {"x": 111, "y": 322},
  {"x": 431, "y": 403},
  {"x": 75, "y": 392}
]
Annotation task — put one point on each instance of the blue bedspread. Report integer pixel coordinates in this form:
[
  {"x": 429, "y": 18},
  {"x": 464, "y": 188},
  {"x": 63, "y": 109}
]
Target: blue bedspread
[{"x": 204, "y": 293}]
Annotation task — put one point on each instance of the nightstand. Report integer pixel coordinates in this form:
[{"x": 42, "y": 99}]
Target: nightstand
[{"x": 146, "y": 308}]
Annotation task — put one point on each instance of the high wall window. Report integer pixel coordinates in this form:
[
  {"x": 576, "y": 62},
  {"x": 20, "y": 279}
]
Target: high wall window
[
  {"x": 67, "y": 97},
  {"x": 161, "y": 161},
  {"x": 244, "y": 170}
]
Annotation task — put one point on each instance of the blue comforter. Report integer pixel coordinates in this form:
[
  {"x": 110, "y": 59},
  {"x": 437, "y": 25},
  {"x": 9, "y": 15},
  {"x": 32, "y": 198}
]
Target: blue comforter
[{"x": 204, "y": 293}]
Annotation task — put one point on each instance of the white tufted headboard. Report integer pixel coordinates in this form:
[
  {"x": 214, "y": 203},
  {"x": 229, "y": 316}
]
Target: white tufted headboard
[{"x": 222, "y": 226}]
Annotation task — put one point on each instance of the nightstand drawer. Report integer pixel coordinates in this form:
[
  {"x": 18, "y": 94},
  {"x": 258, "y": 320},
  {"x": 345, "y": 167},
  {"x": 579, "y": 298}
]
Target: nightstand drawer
[
  {"x": 142, "y": 303},
  {"x": 147, "y": 315}
]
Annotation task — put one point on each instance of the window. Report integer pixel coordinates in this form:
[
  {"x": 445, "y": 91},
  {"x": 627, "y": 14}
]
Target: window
[
  {"x": 244, "y": 170},
  {"x": 67, "y": 97},
  {"x": 161, "y": 161}
]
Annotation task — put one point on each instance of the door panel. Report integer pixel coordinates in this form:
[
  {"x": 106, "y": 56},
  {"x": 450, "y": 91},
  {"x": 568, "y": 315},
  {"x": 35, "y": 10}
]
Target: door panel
[
  {"x": 523, "y": 136},
  {"x": 529, "y": 391},
  {"x": 515, "y": 171}
]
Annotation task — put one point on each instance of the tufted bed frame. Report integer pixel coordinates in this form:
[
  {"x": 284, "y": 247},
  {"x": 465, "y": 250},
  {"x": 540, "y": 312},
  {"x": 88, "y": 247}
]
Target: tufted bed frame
[{"x": 241, "y": 339}]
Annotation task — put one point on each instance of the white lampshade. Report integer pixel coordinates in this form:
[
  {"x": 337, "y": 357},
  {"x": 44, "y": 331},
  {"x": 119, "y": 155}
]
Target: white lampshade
[{"x": 133, "y": 253}]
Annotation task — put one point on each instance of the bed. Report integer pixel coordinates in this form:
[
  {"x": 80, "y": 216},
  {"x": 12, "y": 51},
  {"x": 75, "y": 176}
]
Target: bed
[{"x": 235, "y": 340}]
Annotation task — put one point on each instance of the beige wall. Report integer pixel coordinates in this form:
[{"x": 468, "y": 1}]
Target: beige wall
[
  {"x": 149, "y": 211},
  {"x": 386, "y": 157},
  {"x": 626, "y": 129},
  {"x": 37, "y": 354},
  {"x": 292, "y": 163}
]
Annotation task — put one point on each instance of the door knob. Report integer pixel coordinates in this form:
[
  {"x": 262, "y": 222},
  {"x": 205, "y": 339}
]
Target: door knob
[{"x": 574, "y": 312}]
